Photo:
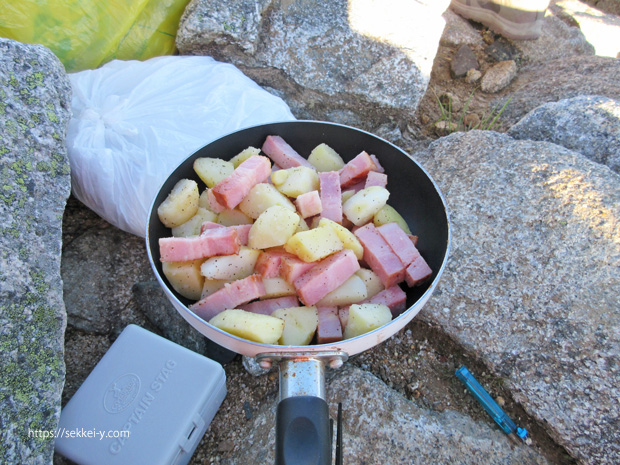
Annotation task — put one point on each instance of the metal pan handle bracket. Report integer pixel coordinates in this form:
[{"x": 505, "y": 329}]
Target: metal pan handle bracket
[{"x": 303, "y": 433}]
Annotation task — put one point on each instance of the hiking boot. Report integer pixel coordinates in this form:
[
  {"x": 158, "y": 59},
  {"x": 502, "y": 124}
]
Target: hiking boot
[{"x": 513, "y": 19}]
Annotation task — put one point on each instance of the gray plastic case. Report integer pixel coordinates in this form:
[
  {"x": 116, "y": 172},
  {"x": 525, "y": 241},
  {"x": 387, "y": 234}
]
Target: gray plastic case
[{"x": 163, "y": 394}]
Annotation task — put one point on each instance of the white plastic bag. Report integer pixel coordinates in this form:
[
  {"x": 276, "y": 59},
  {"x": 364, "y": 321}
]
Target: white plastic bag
[{"x": 134, "y": 122}]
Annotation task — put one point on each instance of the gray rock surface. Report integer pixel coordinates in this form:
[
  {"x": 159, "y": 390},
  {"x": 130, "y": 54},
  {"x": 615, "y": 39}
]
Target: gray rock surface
[
  {"x": 382, "y": 426},
  {"x": 100, "y": 264},
  {"x": 533, "y": 279},
  {"x": 34, "y": 171},
  {"x": 560, "y": 79},
  {"x": 329, "y": 60},
  {"x": 586, "y": 124},
  {"x": 155, "y": 306}
]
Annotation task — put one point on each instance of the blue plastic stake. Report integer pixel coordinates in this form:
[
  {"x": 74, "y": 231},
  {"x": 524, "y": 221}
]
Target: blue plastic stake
[{"x": 482, "y": 396}]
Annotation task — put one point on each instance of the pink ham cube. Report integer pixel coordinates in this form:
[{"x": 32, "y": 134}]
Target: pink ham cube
[
  {"x": 329, "y": 329},
  {"x": 230, "y": 296},
  {"x": 222, "y": 241},
  {"x": 231, "y": 190},
  {"x": 379, "y": 256},
  {"x": 331, "y": 196},
  {"x": 309, "y": 204},
  {"x": 283, "y": 154},
  {"x": 327, "y": 275}
]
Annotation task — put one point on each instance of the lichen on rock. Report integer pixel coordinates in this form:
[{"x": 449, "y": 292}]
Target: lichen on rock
[{"x": 34, "y": 186}]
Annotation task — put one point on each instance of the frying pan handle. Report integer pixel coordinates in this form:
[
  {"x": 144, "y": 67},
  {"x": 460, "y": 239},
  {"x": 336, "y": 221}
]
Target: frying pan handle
[{"x": 303, "y": 434}]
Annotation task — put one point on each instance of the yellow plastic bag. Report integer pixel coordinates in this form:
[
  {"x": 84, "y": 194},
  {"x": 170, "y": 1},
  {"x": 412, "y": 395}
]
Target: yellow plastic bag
[{"x": 84, "y": 34}]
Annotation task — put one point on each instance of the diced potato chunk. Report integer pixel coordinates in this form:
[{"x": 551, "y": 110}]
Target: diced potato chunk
[
  {"x": 303, "y": 226},
  {"x": 233, "y": 218},
  {"x": 388, "y": 214},
  {"x": 185, "y": 277},
  {"x": 346, "y": 195},
  {"x": 314, "y": 244},
  {"x": 244, "y": 155},
  {"x": 231, "y": 267},
  {"x": 362, "y": 206},
  {"x": 192, "y": 226},
  {"x": 212, "y": 285},
  {"x": 366, "y": 317},
  {"x": 352, "y": 291},
  {"x": 371, "y": 280},
  {"x": 180, "y": 205},
  {"x": 293, "y": 182},
  {"x": 253, "y": 326},
  {"x": 212, "y": 170},
  {"x": 261, "y": 197},
  {"x": 324, "y": 158},
  {"x": 347, "y": 237},
  {"x": 273, "y": 227},
  {"x": 300, "y": 324},
  {"x": 277, "y": 287}
]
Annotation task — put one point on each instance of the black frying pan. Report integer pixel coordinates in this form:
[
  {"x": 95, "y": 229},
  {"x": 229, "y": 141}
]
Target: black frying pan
[{"x": 302, "y": 430}]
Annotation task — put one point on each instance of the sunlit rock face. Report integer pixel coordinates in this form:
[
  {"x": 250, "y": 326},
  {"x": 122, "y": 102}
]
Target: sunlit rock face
[{"x": 360, "y": 62}]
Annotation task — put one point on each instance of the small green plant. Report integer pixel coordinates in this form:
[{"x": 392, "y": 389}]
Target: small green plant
[{"x": 486, "y": 123}]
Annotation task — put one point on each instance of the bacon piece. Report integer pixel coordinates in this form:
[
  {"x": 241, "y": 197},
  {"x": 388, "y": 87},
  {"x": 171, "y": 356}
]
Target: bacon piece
[
  {"x": 230, "y": 296},
  {"x": 231, "y": 190},
  {"x": 267, "y": 306},
  {"x": 309, "y": 204},
  {"x": 326, "y": 276},
  {"x": 379, "y": 256},
  {"x": 283, "y": 154},
  {"x": 394, "y": 297},
  {"x": 399, "y": 242},
  {"x": 292, "y": 267},
  {"x": 418, "y": 272},
  {"x": 269, "y": 262},
  {"x": 211, "y": 243},
  {"x": 375, "y": 178},
  {"x": 243, "y": 230},
  {"x": 331, "y": 196},
  {"x": 378, "y": 168},
  {"x": 356, "y": 170},
  {"x": 329, "y": 329}
]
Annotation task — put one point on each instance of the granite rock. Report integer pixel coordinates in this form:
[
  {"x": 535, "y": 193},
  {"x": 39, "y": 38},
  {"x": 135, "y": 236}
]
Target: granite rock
[
  {"x": 458, "y": 31},
  {"x": 382, "y": 426},
  {"x": 532, "y": 283},
  {"x": 587, "y": 124},
  {"x": 356, "y": 62},
  {"x": 557, "y": 40},
  {"x": 498, "y": 76},
  {"x": 35, "y": 98},
  {"x": 560, "y": 79}
]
